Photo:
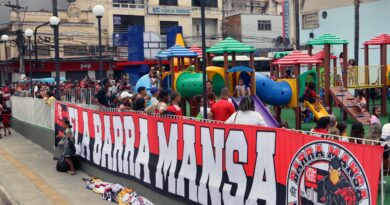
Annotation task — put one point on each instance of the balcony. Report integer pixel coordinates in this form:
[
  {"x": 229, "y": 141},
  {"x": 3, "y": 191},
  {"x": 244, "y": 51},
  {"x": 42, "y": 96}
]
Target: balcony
[
  {"x": 211, "y": 12},
  {"x": 128, "y": 6}
]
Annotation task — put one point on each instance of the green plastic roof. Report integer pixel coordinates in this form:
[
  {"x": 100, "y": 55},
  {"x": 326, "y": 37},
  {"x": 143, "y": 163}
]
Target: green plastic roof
[
  {"x": 327, "y": 39},
  {"x": 281, "y": 54},
  {"x": 230, "y": 45}
]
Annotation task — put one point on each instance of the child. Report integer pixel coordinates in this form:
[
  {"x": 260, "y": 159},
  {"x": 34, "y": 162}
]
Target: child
[
  {"x": 241, "y": 90},
  {"x": 376, "y": 111},
  {"x": 175, "y": 107},
  {"x": 311, "y": 96},
  {"x": 361, "y": 103},
  {"x": 6, "y": 118}
]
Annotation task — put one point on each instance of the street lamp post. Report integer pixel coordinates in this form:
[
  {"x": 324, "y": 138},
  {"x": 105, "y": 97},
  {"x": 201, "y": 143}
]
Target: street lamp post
[
  {"x": 29, "y": 33},
  {"x": 202, "y": 14},
  {"x": 54, "y": 22},
  {"x": 98, "y": 11},
  {"x": 5, "y": 39},
  {"x": 36, "y": 43}
]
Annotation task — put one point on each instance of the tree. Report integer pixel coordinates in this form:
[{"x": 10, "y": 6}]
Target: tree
[{"x": 357, "y": 28}]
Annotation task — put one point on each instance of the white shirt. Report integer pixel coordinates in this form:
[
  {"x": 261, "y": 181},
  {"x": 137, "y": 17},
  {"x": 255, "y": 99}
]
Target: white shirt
[
  {"x": 386, "y": 130},
  {"x": 246, "y": 118}
]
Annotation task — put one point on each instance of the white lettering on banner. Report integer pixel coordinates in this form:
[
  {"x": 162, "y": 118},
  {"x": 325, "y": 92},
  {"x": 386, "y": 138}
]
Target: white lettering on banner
[
  {"x": 143, "y": 152},
  {"x": 84, "y": 152},
  {"x": 264, "y": 189},
  {"x": 236, "y": 142},
  {"x": 107, "y": 146},
  {"x": 114, "y": 149},
  {"x": 97, "y": 146},
  {"x": 73, "y": 116},
  {"x": 128, "y": 162},
  {"x": 118, "y": 148},
  {"x": 188, "y": 166},
  {"x": 167, "y": 159},
  {"x": 211, "y": 178}
]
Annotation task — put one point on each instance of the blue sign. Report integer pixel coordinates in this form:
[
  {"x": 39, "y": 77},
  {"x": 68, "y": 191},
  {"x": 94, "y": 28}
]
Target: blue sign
[
  {"x": 286, "y": 19},
  {"x": 169, "y": 10},
  {"x": 120, "y": 39}
]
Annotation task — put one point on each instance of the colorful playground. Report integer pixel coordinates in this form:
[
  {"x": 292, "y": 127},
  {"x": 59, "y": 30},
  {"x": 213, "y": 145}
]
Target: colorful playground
[{"x": 279, "y": 95}]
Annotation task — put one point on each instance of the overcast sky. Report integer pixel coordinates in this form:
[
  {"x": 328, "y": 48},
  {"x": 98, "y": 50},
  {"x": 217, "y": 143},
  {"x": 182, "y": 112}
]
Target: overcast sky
[{"x": 33, "y": 5}]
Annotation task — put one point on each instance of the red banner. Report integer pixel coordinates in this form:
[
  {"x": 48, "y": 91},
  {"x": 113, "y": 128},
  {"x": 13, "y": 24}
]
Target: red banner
[{"x": 209, "y": 163}]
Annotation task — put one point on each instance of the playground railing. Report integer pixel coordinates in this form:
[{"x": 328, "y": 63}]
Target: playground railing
[{"x": 364, "y": 77}]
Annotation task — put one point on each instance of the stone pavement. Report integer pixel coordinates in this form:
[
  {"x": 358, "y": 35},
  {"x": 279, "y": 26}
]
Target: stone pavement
[{"x": 28, "y": 174}]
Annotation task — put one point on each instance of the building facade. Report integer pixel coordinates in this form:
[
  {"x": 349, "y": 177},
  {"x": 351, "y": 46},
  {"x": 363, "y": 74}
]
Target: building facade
[
  {"x": 79, "y": 33},
  {"x": 318, "y": 17},
  {"x": 264, "y": 32},
  {"x": 264, "y": 7}
]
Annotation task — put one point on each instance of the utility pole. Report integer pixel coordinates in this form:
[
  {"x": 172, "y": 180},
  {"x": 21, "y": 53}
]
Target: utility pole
[
  {"x": 357, "y": 28},
  {"x": 20, "y": 40},
  {"x": 56, "y": 49},
  {"x": 296, "y": 19}
]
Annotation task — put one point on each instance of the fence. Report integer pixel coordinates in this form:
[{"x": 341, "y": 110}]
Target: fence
[
  {"x": 33, "y": 111},
  {"x": 78, "y": 95}
]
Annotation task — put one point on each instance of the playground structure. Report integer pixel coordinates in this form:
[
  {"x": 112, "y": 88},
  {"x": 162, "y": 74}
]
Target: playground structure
[
  {"x": 297, "y": 83},
  {"x": 382, "y": 41},
  {"x": 278, "y": 91}
]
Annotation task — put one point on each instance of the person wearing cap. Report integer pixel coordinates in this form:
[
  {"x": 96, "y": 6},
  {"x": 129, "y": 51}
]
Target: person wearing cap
[
  {"x": 101, "y": 98},
  {"x": 154, "y": 91},
  {"x": 125, "y": 101}
]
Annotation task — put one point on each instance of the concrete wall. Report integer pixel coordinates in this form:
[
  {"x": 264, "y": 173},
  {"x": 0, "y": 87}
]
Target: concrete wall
[
  {"x": 260, "y": 39},
  {"x": 45, "y": 138},
  {"x": 340, "y": 22}
]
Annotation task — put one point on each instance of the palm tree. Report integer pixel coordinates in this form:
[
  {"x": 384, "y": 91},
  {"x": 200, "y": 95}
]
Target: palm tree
[{"x": 357, "y": 25}]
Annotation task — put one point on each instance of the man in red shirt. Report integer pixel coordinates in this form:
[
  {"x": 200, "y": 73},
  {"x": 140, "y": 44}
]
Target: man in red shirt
[{"x": 222, "y": 109}]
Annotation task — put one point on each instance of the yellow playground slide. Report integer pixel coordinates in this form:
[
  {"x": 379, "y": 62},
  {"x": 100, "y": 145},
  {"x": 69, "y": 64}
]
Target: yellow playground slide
[{"x": 317, "y": 114}]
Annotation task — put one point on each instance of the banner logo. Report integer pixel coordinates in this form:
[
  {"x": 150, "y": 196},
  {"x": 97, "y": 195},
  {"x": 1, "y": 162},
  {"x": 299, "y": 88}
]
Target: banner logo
[{"x": 324, "y": 172}]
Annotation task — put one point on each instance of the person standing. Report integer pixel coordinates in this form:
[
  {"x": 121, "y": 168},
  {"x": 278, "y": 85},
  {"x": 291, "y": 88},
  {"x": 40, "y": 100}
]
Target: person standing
[
  {"x": 101, "y": 98},
  {"x": 323, "y": 125},
  {"x": 222, "y": 109},
  {"x": 246, "y": 114},
  {"x": 175, "y": 104},
  {"x": 154, "y": 91},
  {"x": 161, "y": 106},
  {"x": 67, "y": 144}
]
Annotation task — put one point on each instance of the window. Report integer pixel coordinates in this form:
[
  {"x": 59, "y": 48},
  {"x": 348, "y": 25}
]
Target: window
[
  {"x": 94, "y": 49},
  {"x": 122, "y": 22},
  {"x": 43, "y": 50},
  {"x": 168, "y": 2},
  {"x": 72, "y": 50},
  {"x": 310, "y": 21},
  {"x": 208, "y": 3},
  {"x": 264, "y": 25},
  {"x": 165, "y": 25}
]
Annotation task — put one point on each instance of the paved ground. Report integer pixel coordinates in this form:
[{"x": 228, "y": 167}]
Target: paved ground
[{"x": 28, "y": 174}]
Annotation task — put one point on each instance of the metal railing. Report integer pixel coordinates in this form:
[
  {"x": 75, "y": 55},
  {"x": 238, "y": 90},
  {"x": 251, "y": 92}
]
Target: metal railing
[
  {"x": 357, "y": 77},
  {"x": 78, "y": 95}
]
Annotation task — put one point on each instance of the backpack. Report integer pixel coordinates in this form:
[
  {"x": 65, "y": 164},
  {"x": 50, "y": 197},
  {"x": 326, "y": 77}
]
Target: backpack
[{"x": 62, "y": 166}]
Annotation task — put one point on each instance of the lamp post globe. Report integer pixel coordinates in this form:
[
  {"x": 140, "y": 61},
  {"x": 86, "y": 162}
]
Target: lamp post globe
[
  {"x": 54, "y": 21},
  {"x": 98, "y": 11},
  {"x": 4, "y": 38},
  {"x": 28, "y": 33}
]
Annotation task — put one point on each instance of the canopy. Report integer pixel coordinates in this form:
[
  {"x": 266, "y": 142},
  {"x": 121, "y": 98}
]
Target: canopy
[
  {"x": 176, "y": 51},
  {"x": 240, "y": 69},
  {"x": 297, "y": 57},
  {"x": 197, "y": 50},
  {"x": 381, "y": 39},
  {"x": 230, "y": 45},
  {"x": 163, "y": 54},
  {"x": 321, "y": 55},
  {"x": 327, "y": 39}
]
